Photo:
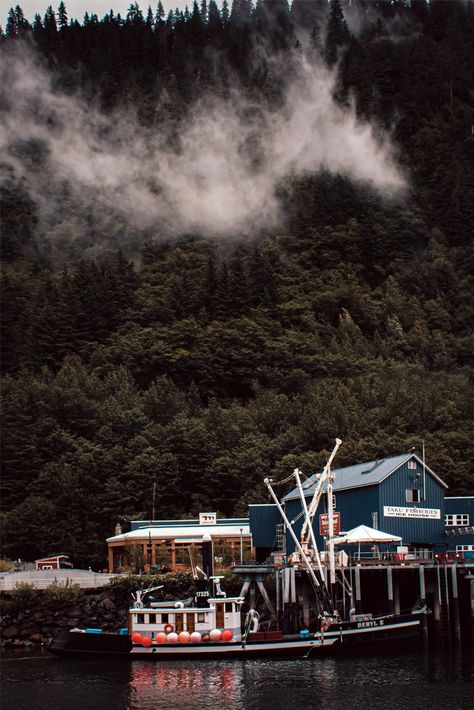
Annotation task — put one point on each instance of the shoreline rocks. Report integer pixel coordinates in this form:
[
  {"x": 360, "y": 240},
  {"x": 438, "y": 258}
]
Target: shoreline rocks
[{"x": 36, "y": 625}]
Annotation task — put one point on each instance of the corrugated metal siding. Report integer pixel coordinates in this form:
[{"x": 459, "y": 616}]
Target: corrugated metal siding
[
  {"x": 263, "y": 522},
  {"x": 356, "y": 508},
  {"x": 392, "y": 491},
  {"x": 460, "y": 506},
  {"x": 358, "y": 505}
]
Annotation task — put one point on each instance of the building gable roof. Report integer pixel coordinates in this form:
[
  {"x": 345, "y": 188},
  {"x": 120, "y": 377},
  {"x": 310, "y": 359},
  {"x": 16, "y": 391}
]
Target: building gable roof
[{"x": 362, "y": 474}]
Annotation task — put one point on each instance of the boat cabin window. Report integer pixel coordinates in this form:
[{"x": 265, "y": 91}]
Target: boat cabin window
[
  {"x": 152, "y": 618},
  {"x": 229, "y": 607},
  {"x": 164, "y": 618},
  {"x": 201, "y": 618},
  {"x": 140, "y": 618}
]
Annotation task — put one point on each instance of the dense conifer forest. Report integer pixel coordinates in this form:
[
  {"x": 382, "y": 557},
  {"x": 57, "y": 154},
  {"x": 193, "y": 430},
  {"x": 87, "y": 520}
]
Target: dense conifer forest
[{"x": 204, "y": 344}]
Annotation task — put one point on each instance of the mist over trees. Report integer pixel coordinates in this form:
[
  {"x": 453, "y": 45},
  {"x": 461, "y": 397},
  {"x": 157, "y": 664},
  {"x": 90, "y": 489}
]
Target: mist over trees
[{"x": 137, "y": 351}]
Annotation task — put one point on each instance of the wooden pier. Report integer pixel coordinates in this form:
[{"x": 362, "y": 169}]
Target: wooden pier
[{"x": 447, "y": 588}]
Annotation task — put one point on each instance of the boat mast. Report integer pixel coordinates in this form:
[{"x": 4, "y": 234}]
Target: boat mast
[
  {"x": 332, "y": 561},
  {"x": 304, "y": 542},
  {"x": 313, "y": 506},
  {"x": 268, "y": 482}
]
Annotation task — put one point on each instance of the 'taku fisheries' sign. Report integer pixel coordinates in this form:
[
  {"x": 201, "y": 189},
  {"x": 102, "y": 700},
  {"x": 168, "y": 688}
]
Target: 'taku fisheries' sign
[{"x": 393, "y": 511}]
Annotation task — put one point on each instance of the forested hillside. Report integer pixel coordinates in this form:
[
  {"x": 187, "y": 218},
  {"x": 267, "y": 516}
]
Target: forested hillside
[{"x": 230, "y": 235}]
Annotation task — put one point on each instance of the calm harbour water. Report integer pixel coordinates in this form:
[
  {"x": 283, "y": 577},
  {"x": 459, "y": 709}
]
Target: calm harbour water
[{"x": 428, "y": 679}]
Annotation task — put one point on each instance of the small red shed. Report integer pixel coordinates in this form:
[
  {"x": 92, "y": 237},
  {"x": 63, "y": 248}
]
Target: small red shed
[{"x": 54, "y": 562}]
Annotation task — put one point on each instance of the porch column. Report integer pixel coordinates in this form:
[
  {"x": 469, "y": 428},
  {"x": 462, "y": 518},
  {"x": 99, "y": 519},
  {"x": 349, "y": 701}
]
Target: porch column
[{"x": 111, "y": 559}]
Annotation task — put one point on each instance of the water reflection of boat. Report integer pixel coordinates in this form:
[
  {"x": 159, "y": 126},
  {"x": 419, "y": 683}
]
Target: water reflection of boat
[{"x": 212, "y": 625}]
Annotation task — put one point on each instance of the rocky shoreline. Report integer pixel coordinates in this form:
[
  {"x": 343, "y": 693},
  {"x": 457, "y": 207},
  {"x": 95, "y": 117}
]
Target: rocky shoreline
[{"x": 36, "y": 624}]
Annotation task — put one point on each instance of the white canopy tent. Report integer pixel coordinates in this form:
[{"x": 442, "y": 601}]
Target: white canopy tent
[{"x": 362, "y": 534}]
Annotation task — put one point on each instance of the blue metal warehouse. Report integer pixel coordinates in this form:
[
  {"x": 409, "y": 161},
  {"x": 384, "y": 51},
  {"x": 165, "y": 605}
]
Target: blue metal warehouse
[{"x": 399, "y": 495}]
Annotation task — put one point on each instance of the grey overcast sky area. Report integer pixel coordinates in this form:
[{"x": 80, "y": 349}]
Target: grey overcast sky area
[{"x": 77, "y": 8}]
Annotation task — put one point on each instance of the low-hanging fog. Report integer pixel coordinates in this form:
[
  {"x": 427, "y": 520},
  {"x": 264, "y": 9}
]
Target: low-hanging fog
[{"x": 214, "y": 173}]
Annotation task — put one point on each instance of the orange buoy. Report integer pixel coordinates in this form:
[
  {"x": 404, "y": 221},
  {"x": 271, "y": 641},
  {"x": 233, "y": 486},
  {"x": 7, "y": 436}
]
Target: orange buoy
[
  {"x": 160, "y": 638},
  {"x": 146, "y": 641},
  {"x": 137, "y": 638},
  {"x": 184, "y": 637},
  {"x": 227, "y": 635}
]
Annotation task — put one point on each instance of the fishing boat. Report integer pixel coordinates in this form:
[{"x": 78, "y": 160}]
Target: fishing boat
[
  {"x": 212, "y": 625},
  {"x": 217, "y": 633}
]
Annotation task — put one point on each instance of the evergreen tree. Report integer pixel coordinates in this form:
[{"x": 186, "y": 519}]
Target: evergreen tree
[
  {"x": 49, "y": 24},
  {"x": 337, "y": 32},
  {"x": 17, "y": 25},
  {"x": 62, "y": 16}
]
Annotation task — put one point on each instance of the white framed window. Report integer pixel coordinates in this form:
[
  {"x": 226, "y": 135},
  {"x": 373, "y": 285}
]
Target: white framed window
[
  {"x": 412, "y": 495},
  {"x": 460, "y": 519},
  {"x": 412, "y": 465},
  {"x": 464, "y": 548}
]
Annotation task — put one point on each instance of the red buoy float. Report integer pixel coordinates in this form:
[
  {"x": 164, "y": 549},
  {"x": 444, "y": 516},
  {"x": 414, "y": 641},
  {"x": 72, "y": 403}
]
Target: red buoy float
[
  {"x": 137, "y": 638},
  {"x": 184, "y": 637},
  {"x": 146, "y": 641},
  {"x": 168, "y": 629},
  {"x": 160, "y": 638},
  {"x": 227, "y": 635}
]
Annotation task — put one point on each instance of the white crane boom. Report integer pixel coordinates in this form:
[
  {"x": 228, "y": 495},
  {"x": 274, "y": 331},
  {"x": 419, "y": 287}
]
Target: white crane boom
[
  {"x": 296, "y": 474},
  {"x": 313, "y": 506},
  {"x": 291, "y": 531}
]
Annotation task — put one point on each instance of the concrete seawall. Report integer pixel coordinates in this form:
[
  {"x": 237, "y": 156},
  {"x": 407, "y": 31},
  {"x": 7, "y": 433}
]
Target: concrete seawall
[{"x": 42, "y": 579}]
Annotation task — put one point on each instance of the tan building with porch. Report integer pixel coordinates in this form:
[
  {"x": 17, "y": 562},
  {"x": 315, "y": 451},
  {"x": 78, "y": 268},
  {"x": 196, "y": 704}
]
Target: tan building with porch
[{"x": 172, "y": 545}]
